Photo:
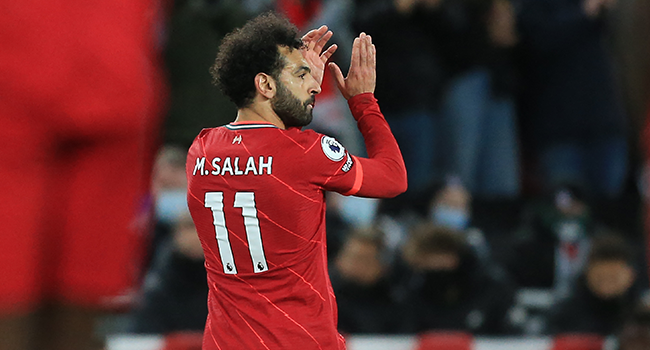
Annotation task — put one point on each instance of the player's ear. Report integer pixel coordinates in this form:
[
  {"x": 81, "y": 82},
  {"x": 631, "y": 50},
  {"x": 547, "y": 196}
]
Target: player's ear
[{"x": 265, "y": 85}]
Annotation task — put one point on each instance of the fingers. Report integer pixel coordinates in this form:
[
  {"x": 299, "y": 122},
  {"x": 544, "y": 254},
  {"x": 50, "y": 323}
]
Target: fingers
[
  {"x": 355, "y": 59},
  {"x": 373, "y": 56},
  {"x": 322, "y": 40},
  {"x": 338, "y": 77},
  {"x": 328, "y": 53},
  {"x": 364, "y": 75},
  {"x": 362, "y": 54},
  {"x": 316, "y": 39},
  {"x": 308, "y": 39},
  {"x": 363, "y": 49},
  {"x": 315, "y": 33},
  {"x": 372, "y": 53}
]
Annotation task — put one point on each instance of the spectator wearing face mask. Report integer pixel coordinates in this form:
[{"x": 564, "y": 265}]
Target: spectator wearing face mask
[
  {"x": 446, "y": 287},
  {"x": 169, "y": 184},
  {"x": 169, "y": 190},
  {"x": 361, "y": 281},
  {"x": 175, "y": 288},
  {"x": 605, "y": 293},
  {"x": 451, "y": 207}
]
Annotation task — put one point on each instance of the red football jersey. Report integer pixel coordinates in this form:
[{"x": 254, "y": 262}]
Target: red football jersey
[{"x": 256, "y": 194}]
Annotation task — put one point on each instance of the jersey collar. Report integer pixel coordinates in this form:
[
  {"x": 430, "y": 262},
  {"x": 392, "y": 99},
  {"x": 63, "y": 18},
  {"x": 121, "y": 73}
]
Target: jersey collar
[{"x": 250, "y": 125}]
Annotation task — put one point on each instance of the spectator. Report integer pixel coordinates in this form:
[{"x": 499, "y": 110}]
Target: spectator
[
  {"x": 409, "y": 88},
  {"x": 447, "y": 288},
  {"x": 606, "y": 291},
  {"x": 169, "y": 184},
  {"x": 571, "y": 111},
  {"x": 169, "y": 190},
  {"x": 175, "y": 289},
  {"x": 360, "y": 278},
  {"x": 553, "y": 242},
  {"x": 451, "y": 207},
  {"x": 475, "y": 40}
]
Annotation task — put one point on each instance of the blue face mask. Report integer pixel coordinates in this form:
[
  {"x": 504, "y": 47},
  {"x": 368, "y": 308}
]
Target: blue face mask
[
  {"x": 358, "y": 211},
  {"x": 449, "y": 217},
  {"x": 170, "y": 204}
]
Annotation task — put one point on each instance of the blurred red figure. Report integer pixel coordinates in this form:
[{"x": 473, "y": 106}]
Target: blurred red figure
[{"x": 78, "y": 117}]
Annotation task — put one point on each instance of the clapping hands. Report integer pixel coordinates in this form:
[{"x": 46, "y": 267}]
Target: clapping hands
[
  {"x": 362, "y": 75},
  {"x": 314, "y": 42}
]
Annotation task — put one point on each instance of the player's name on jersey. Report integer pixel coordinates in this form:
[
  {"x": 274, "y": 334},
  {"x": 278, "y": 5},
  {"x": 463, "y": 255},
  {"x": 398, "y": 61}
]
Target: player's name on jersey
[{"x": 234, "y": 166}]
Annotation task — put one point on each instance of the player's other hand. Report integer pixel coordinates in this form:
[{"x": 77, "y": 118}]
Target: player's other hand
[
  {"x": 314, "y": 42},
  {"x": 362, "y": 75}
]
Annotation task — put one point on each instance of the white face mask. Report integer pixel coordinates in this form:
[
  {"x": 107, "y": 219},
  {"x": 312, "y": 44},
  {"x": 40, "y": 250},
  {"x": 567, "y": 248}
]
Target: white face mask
[
  {"x": 358, "y": 211},
  {"x": 170, "y": 204},
  {"x": 449, "y": 217}
]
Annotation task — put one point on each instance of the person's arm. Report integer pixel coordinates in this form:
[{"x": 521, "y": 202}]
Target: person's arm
[{"x": 383, "y": 173}]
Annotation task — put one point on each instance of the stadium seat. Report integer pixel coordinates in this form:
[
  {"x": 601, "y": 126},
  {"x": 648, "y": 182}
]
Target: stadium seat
[
  {"x": 578, "y": 342},
  {"x": 441, "y": 340},
  {"x": 183, "y": 341}
]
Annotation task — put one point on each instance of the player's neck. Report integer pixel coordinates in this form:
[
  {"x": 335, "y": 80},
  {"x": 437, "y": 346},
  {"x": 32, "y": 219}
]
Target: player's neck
[{"x": 259, "y": 112}]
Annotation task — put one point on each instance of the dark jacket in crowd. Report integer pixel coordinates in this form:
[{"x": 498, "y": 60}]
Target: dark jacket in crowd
[
  {"x": 584, "y": 312},
  {"x": 569, "y": 84},
  {"x": 410, "y": 76},
  {"x": 366, "y": 309},
  {"x": 531, "y": 257},
  {"x": 459, "y": 30},
  {"x": 476, "y": 298},
  {"x": 174, "y": 296}
]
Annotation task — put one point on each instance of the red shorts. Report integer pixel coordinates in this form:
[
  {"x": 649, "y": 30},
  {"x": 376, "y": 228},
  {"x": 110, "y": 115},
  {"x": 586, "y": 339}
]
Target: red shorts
[
  {"x": 72, "y": 215},
  {"x": 69, "y": 211},
  {"x": 77, "y": 132}
]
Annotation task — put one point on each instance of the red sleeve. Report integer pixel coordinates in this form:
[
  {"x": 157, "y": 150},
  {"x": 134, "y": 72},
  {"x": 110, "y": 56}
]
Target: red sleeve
[{"x": 382, "y": 174}]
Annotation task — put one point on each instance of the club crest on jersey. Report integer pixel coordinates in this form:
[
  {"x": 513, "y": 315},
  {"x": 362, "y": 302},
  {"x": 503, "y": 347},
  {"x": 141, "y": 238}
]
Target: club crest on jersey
[{"x": 332, "y": 148}]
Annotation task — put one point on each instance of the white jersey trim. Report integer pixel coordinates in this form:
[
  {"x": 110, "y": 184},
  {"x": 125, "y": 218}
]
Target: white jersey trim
[{"x": 249, "y": 126}]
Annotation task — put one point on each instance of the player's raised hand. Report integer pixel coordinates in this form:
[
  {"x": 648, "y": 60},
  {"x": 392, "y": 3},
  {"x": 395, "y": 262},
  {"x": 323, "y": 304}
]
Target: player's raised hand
[
  {"x": 314, "y": 42},
  {"x": 362, "y": 74}
]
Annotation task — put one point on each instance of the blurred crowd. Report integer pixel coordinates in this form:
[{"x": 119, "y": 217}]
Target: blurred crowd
[{"x": 520, "y": 126}]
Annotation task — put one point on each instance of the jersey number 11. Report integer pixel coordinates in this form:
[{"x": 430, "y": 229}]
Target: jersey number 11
[{"x": 245, "y": 201}]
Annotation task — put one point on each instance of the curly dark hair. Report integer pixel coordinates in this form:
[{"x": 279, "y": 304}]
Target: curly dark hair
[{"x": 249, "y": 50}]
